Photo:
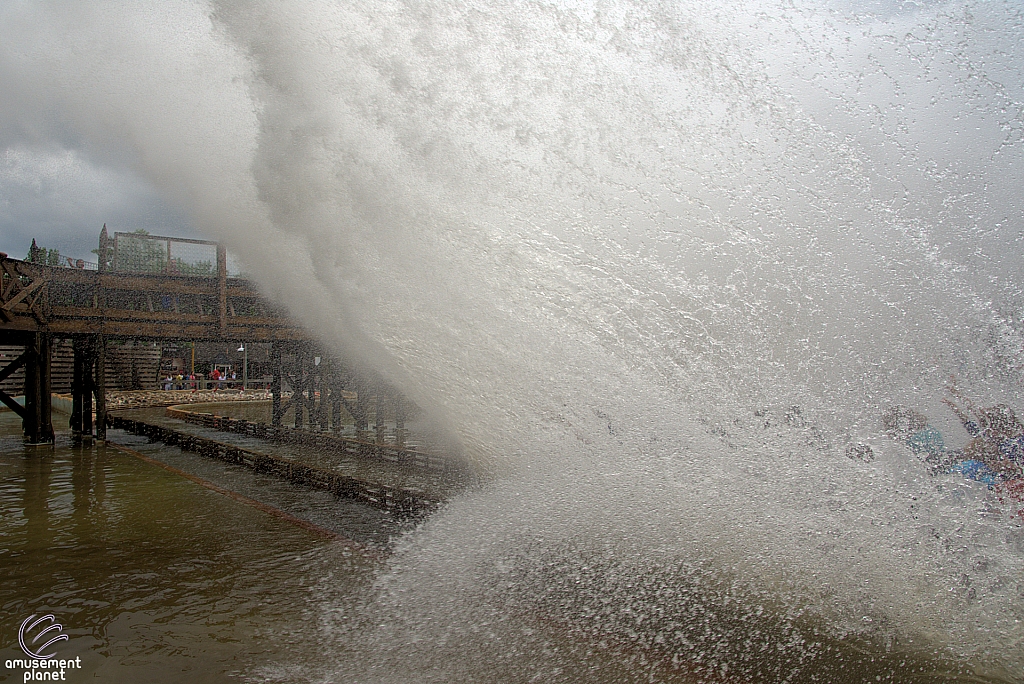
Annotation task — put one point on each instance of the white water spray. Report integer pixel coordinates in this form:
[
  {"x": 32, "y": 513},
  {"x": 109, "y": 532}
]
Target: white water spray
[{"x": 657, "y": 266}]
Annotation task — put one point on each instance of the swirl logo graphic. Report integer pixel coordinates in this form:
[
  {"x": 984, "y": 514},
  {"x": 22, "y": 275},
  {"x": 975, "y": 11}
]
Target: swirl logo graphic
[{"x": 31, "y": 624}]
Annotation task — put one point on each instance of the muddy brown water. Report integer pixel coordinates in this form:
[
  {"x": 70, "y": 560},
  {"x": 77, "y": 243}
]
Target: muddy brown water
[{"x": 155, "y": 578}]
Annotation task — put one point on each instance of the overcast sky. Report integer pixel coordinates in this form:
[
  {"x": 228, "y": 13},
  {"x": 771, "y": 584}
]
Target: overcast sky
[
  {"x": 62, "y": 200},
  {"x": 64, "y": 173}
]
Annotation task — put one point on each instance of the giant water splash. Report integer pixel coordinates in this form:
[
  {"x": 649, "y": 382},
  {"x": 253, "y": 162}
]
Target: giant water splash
[{"x": 657, "y": 266}]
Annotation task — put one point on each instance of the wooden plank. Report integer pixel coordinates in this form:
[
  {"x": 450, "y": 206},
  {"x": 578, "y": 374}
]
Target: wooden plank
[
  {"x": 247, "y": 322},
  {"x": 158, "y": 284},
  {"x": 131, "y": 315},
  {"x": 20, "y": 324}
]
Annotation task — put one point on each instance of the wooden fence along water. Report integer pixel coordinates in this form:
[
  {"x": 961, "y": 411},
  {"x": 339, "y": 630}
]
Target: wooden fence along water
[
  {"x": 402, "y": 501},
  {"x": 371, "y": 451}
]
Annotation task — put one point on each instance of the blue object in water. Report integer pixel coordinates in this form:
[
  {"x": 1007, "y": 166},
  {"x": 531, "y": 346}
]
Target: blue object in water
[{"x": 975, "y": 470}]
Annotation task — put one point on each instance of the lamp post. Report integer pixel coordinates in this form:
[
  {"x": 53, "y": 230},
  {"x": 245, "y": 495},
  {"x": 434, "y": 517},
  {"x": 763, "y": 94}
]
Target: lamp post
[{"x": 245, "y": 366}]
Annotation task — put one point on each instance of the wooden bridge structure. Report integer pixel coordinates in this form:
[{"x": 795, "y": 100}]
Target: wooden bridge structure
[{"x": 163, "y": 300}]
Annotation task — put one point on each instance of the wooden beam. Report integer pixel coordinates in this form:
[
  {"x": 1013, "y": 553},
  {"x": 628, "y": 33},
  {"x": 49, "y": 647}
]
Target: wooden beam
[
  {"x": 142, "y": 316},
  {"x": 13, "y": 405},
  {"x": 25, "y": 292},
  {"x": 13, "y": 366}
]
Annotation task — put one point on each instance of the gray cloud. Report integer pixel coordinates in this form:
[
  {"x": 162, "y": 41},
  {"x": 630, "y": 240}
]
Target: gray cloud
[
  {"x": 91, "y": 119},
  {"x": 61, "y": 199}
]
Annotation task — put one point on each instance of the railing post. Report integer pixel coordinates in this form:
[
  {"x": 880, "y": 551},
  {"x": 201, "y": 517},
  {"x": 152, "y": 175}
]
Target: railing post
[
  {"x": 362, "y": 409},
  {"x": 335, "y": 390},
  {"x": 317, "y": 413},
  {"x": 401, "y": 434}
]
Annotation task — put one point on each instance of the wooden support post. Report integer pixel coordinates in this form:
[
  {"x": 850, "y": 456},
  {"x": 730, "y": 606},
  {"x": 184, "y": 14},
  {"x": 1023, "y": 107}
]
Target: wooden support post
[
  {"x": 100, "y": 387},
  {"x": 298, "y": 398},
  {"x": 400, "y": 432},
  {"x": 36, "y": 422},
  {"x": 88, "y": 387},
  {"x": 275, "y": 384},
  {"x": 378, "y": 414},
  {"x": 45, "y": 341},
  {"x": 82, "y": 388},
  {"x": 77, "y": 387}
]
